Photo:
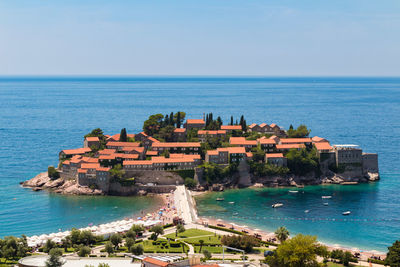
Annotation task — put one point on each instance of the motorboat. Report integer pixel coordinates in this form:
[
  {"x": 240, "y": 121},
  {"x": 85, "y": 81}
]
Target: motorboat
[
  {"x": 346, "y": 213},
  {"x": 220, "y": 199},
  {"x": 326, "y": 197},
  {"x": 231, "y": 202},
  {"x": 293, "y": 191},
  {"x": 306, "y": 211},
  {"x": 326, "y": 204},
  {"x": 277, "y": 205}
]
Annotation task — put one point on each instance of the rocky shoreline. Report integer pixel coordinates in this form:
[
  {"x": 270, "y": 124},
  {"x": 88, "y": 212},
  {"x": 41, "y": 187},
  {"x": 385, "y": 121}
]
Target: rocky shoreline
[{"x": 70, "y": 187}]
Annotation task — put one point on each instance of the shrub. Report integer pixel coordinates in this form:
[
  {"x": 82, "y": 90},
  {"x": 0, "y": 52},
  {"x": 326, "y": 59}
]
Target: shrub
[{"x": 53, "y": 173}]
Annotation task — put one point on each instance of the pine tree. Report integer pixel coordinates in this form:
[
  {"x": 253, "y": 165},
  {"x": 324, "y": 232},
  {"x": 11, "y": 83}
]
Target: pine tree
[
  {"x": 178, "y": 120},
  {"x": 291, "y": 127},
  {"x": 123, "y": 137}
]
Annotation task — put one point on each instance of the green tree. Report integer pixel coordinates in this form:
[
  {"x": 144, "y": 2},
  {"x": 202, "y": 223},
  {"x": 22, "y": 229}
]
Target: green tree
[
  {"x": 301, "y": 250},
  {"x": 53, "y": 173},
  {"x": 347, "y": 257},
  {"x": 129, "y": 242},
  {"x": 245, "y": 242},
  {"x": 178, "y": 120},
  {"x": 83, "y": 251},
  {"x": 157, "y": 230},
  {"x": 87, "y": 238},
  {"x": 300, "y": 132},
  {"x": 231, "y": 123},
  {"x": 109, "y": 248},
  {"x": 75, "y": 236},
  {"x": 190, "y": 183},
  {"x": 207, "y": 254},
  {"x": 153, "y": 124},
  {"x": 102, "y": 264},
  {"x": 302, "y": 162},
  {"x": 282, "y": 234},
  {"x": 123, "y": 137},
  {"x": 117, "y": 171},
  {"x": 66, "y": 243},
  {"x": 49, "y": 245},
  {"x": 136, "y": 249},
  {"x": 116, "y": 239},
  {"x": 130, "y": 234},
  {"x": 179, "y": 229},
  {"x": 137, "y": 228},
  {"x": 393, "y": 255},
  {"x": 54, "y": 259},
  {"x": 201, "y": 242}
]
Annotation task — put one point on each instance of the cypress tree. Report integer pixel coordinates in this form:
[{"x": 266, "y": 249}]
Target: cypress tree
[
  {"x": 171, "y": 119},
  {"x": 291, "y": 127},
  {"x": 123, "y": 137},
  {"x": 178, "y": 120},
  {"x": 241, "y": 120},
  {"x": 207, "y": 121},
  {"x": 236, "y": 123},
  {"x": 211, "y": 117},
  {"x": 244, "y": 125},
  {"x": 231, "y": 121},
  {"x": 219, "y": 120},
  {"x": 166, "y": 121}
]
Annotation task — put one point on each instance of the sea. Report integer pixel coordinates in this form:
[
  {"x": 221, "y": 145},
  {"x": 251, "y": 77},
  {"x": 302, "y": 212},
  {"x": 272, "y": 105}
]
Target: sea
[{"x": 40, "y": 116}]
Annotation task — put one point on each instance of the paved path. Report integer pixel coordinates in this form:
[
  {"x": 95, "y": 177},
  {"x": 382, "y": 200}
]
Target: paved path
[{"x": 184, "y": 204}]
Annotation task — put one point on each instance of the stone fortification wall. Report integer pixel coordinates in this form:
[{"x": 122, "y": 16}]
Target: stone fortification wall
[
  {"x": 154, "y": 177},
  {"x": 370, "y": 163}
]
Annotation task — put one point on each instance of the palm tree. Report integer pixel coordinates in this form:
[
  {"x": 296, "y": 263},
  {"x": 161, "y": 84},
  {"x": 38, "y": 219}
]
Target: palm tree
[
  {"x": 282, "y": 234},
  {"x": 201, "y": 242}
]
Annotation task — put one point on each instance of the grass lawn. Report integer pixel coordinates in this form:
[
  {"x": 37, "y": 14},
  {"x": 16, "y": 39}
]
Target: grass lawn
[
  {"x": 190, "y": 233},
  {"x": 332, "y": 264},
  {"x": 150, "y": 248},
  {"x": 4, "y": 262}
]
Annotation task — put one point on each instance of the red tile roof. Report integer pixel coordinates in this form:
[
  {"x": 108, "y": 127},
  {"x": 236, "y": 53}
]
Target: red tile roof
[
  {"x": 295, "y": 140},
  {"x": 262, "y": 125},
  {"x": 211, "y": 132},
  {"x": 107, "y": 151},
  {"x": 151, "y": 153},
  {"x": 274, "y": 155},
  {"x": 180, "y": 130},
  {"x": 123, "y": 144},
  {"x": 242, "y": 141},
  {"x": 103, "y": 169},
  {"x": 317, "y": 139},
  {"x": 139, "y": 149},
  {"x": 155, "y": 262},
  {"x": 176, "y": 144},
  {"x": 126, "y": 156},
  {"x": 253, "y": 125},
  {"x": 153, "y": 139},
  {"x": 90, "y": 165},
  {"x": 290, "y": 146},
  {"x": 137, "y": 162},
  {"x": 89, "y": 160},
  {"x": 233, "y": 150},
  {"x": 82, "y": 171},
  {"x": 212, "y": 152},
  {"x": 92, "y": 139},
  {"x": 66, "y": 162},
  {"x": 108, "y": 157},
  {"x": 195, "y": 121},
  {"x": 81, "y": 150},
  {"x": 274, "y": 125},
  {"x": 231, "y": 127},
  {"x": 265, "y": 141},
  {"x": 323, "y": 146}
]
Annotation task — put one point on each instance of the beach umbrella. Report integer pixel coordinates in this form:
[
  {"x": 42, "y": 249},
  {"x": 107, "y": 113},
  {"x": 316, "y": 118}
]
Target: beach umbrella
[{"x": 219, "y": 220}]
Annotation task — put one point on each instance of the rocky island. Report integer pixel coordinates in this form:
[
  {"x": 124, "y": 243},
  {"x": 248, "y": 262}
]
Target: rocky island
[{"x": 204, "y": 154}]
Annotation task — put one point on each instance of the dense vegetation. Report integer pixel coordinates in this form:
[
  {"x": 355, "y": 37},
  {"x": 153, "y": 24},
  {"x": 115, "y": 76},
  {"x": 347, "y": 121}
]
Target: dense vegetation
[
  {"x": 244, "y": 242},
  {"x": 213, "y": 173},
  {"x": 12, "y": 248},
  {"x": 162, "y": 127},
  {"x": 393, "y": 256},
  {"x": 302, "y": 162},
  {"x": 300, "y": 132}
]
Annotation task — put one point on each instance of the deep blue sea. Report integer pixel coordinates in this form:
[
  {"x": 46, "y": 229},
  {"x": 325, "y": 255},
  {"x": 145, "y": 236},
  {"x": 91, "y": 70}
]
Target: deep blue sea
[{"x": 41, "y": 116}]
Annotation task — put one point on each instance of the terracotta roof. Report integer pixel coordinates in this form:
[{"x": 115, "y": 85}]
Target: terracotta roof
[
  {"x": 137, "y": 162},
  {"x": 211, "y": 132},
  {"x": 123, "y": 144},
  {"x": 139, "y": 149},
  {"x": 126, "y": 156},
  {"x": 242, "y": 141},
  {"x": 323, "y": 146},
  {"x": 181, "y": 155},
  {"x": 109, "y": 157},
  {"x": 81, "y": 150},
  {"x": 231, "y": 127},
  {"x": 274, "y": 155},
  {"x": 107, "y": 151},
  {"x": 143, "y": 133},
  {"x": 249, "y": 154},
  {"x": 233, "y": 150},
  {"x": 155, "y": 262},
  {"x": 92, "y": 139},
  {"x": 212, "y": 152},
  {"x": 89, "y": 160},
  {"x": 274, "y": 125},
  {"x": 262, "y": 125},
  {"x": 317, "y": 139},
  {"x": 177, "y": 144},
  {"x": 90, "y": 165},
  {"x": 82, "y": 171},
  {"x": 171, "y": 160},
  {"x": 195, "y": 121},
  {"x": 66, "y": 162},
  {"x": 153, "y": 139},
  {"x": 180, "y": 130},
  {"x": 295, "y": 140},
  {"x": 290, "y": 146},
  {"x": 265, "y": 141},
  {"x": 252, "y": 125},
  {"x": 103, "y": 169},
  {"x": 151, "y": 153}
]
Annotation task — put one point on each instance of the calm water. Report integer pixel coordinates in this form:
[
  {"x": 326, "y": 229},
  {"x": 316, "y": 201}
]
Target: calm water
[{"x": 39, "y": 117}]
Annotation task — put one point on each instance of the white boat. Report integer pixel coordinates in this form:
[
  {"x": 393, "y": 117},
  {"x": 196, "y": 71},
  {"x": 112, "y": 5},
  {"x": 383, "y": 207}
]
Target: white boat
[
  {"x": 293, "y": 191},
  {"x": 307, "y": 211},
  {"x": 220, "y": 199},
  {"x": 326, "y": 197},
  {"x": 231, "y": 202},
  {"x": 326, "y": 204},
  {"x": 346, "y": 213},
  {"x": 277, "y": 205}
]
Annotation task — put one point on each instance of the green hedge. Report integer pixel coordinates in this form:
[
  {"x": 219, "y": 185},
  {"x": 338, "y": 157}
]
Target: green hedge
[
  {"x": 185, "y": 173},
  {"x": 376, "y": 261}
]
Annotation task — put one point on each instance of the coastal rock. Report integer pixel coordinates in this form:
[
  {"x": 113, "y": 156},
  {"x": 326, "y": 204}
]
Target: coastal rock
[
  {"x": 217, "y": 187},
  {"x": 142, "y": 193},
  {"x": 54, "y": 183},
  {"x": 372, "y": 176},
  {"x": 37, "y": 181},
  {"x": 75, "y": 189}
]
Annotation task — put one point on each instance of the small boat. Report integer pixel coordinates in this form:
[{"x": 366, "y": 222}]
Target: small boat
[
  {"x": 306, "y": 211},
  {"x": 326, "y": 204},
  {"x": 220, "y": 199},
  {"x": 293, "y": 191},
  {"x": 277, "y": 205},
  {"x": 346, "y": 213},
  {"x": 235, "y": 213},
  {"x": 326, "y": 197},
  {"x": 231, "y": 202}
]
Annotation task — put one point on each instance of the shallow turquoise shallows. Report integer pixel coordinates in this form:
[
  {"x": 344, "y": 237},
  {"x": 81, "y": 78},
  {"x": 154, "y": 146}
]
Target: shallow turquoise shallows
[{"x": 41, "y": 116}]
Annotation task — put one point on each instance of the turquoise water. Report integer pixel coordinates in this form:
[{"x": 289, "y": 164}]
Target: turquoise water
[{"x": 41, "y": 116}]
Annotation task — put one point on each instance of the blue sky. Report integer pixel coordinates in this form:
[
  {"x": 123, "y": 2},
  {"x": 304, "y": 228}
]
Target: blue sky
[{"x": 218, "y": 37}]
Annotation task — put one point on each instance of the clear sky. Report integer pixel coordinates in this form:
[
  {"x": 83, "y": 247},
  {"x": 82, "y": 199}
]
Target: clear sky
[{"x": 204, "y": 37}]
